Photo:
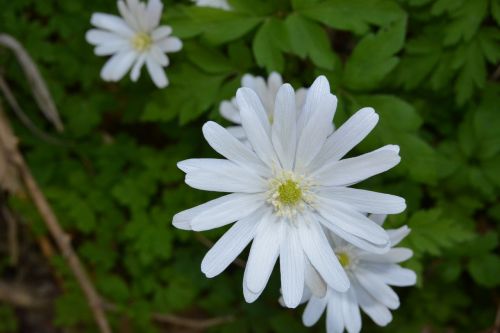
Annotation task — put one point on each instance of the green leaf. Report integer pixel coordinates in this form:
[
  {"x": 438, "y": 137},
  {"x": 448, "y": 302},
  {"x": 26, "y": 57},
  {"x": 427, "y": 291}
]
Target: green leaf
[
  {"x": 309, "y": 39},
  {"x": 465, "y": 21},
  {"x": 266, "y": 46},
  {"x": 374, "y": 57},
  {"x": 353, "y": 15},
  {"x": 208, "y": 59},
  {"x": 485, "y": 270}
]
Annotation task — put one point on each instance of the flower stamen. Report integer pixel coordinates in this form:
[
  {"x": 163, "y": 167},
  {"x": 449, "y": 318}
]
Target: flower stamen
[
  {"x": 142, "y": 42},
  {"x": 289, "y": 193}
]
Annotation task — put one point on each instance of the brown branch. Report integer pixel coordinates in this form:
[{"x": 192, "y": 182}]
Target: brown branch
[
  {"x": 197, "y": 324},
  {"x": 19, "y": 296},
  {"x": 11, "y": 234},
  {"x": 61, "y": 238}
]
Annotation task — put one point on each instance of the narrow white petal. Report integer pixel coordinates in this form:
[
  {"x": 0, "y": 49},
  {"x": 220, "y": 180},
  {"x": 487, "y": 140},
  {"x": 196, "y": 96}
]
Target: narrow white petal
[
  {"x": 321, "y": 255},
  {"x": 128, "y": 16},
  {"x": 169, "y": 44},
  {"x": 96, "y": 37},
  {"x": 350, "y": 312},
  {"x": 284, "y": 131},
  {"x": 264, "y": 253},
  {"x": 116, "y": 46},
  {"x": 237, "y": 131},
  {"x": 257, "y": 129},
  {"x": 118, "y": 65},
  {"x": 313, "y": 311},
  {"x": 249, "y": 295},
  {"x": 378, "y": 218},
  {"x": 351, "y": 221},
  {"x": 227, "y": 209},
  {"x": 356, "y": 169},
  {"x": 229, "y": 111},
  {"x": 231, "y": 148},
  {"x": 136, "y": 70},
  {"x": 334, "y": 316},
  {"x": 377, "y": 288},
  {"x": 374, "y": 309},
  {"x": 156, "y": 72},
  {"x": 259, "y": 86},
  {"x": 221, "y": 175},
  {"x": 158, "y": 56},
  {"x": 347, "y": 136},
  {"x": 394, "y": 255},
  {"x": 161, "y": 32},
  {"x": 358, "y": 242},
  {"x": 316, "y": 130},
  {"x": 292, "y": 267},
  {"x": 315, "y": 97},
  {"x": 366, "y": 201},
  {"x": 314, "y": 281},
  {"x": 154, "y": 10},
  {"x": 392, "y": 274},
  {"x": 112, "y": 23},
  {"x": 397, "y": 235},
  {"x": 230, "y": 245}
]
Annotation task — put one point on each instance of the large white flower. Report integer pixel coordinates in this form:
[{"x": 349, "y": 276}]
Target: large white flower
[
  {"x": 370, "y": 275},
  {"x": 267, "y": 93},
  {"x": 288, "y": 185},
  {"x": 221, "y": 4},
  {"x": 134, "y": 39}
]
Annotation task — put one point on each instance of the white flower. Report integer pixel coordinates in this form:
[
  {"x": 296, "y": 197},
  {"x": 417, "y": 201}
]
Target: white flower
[
  {"x": 370, "y": 275},
  {"x": 134, "y": 39},
  {"x": 222, "y": 4},
  {"x": 289, "y": 184},
  {"x": 267, "y": 93}
]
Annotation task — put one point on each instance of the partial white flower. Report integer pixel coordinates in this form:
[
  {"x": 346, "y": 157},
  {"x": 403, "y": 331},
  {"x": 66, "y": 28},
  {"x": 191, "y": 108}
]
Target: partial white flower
[
  {"x": 222, "y": 4},
  {"x": 267, "y": 93},
  {"x": 133, "y": 40},
  {"x": 286, "y": 186},
  {"x": 371, "y": 276}
]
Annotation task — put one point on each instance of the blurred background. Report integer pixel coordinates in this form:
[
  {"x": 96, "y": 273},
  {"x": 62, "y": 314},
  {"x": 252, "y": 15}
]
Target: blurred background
[{"x": 102, "y": 156}]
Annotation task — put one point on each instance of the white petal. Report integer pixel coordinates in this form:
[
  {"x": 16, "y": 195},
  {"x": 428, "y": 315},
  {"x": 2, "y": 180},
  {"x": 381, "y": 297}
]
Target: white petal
[
  {"x": 111, "y": 48},
  {"x": 256, "y": 125},
  {"x": 237, "y": 131},
  {"x": 334, "y": 316},
  {"x": 116, "y": 67},
  {"x": 156, "y": 72},
  {"x": 347, "y": 136},
  {"x": 231, "y": 148},
  {"x": 154, "y": 11},
  {"x": 230, "y": 245},
  {"x": 128, "y": 16},
  {"x": 221, "y": 175},
  {"x": 397, "y": 235},
  {"x": 313, "y": 311},
  {"x": 96, "y": 37},
  {"x": 315, "y": 97},
  {"x": 356, "y": 169},
  {"x": 374, "y": 309},
  {"x": 350, "y": 312},
  {"x": 315, "y": 132},
  {"x": 284, "y": 131},
  {"x": 229, "y": 111},
  {"x": 358, "y": 242},
  {"x": 314, "y": 281},
  {"x": 158, "y": 56},
  {"x": 161, "y": 32},
  {"x": 274, "y": 82},
  {"x": 264, "y": 253},
  {"x": 259, "y": 86},
  {"x": 351, "y": 221},
  {"x": 378, "y": 218},
  {"x": 136, "y": 70},
  {"x": 249, "y": 295},
  {"x": 377, "y": 288},
  {"x": 225, "y": 210},
  {"x": 112, "y": 23},
  {"x": 392, "y": 274},
  {"x": 366, "y": 201},
  {"x": 321, "y": 255},
  {"x": 394, "y": 255},
  {"x": 170, "y": 44},
  {"x": 300, "y": 99},
  {"x": 292, "y": 267}
]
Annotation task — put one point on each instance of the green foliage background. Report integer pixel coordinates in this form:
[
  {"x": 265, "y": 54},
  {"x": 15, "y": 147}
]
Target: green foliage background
[{"x": 427, "y": 67}]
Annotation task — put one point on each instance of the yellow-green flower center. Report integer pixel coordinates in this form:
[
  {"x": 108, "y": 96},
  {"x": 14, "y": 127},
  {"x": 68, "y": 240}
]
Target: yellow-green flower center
[
  {"x": 142, "y": 42},
  {"x": 289, "y": 193},
  {"x": 343, "y": 259}
]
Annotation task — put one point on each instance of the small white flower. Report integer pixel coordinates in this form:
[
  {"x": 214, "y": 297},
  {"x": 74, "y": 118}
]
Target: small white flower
[
  {"x": 289, "y": 183},
  {"x": 133, "y": 40},
  {"x": 370, "y": 275},
  {"x": 222, "y": 4},
  {"x": 267, "y": 93}
]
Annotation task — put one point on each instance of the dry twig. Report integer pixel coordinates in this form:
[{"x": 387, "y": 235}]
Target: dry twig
[
  {"x": 60, "y": 237},
  {"x": 12, "y": 236}
]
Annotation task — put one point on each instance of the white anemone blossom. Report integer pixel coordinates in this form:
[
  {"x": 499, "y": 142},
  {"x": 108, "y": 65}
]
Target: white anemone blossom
[
  {"x": 221, "y": 4},
  {"x": 285, "y": 187},
  {"x": 371, "y": 276},
  {"x": 133, "y": 40},
  {"x": 266, "y": 90}
]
